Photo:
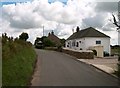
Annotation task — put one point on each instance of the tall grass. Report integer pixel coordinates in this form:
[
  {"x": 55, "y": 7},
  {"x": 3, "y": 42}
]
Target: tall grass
[{"x": 18, "y": 58}]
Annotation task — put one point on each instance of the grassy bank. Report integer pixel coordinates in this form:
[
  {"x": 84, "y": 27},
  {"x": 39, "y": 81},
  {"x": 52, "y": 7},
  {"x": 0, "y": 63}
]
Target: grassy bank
[
  {"x": 115, "y": 50},
  {"x": 18, "y": 58}
]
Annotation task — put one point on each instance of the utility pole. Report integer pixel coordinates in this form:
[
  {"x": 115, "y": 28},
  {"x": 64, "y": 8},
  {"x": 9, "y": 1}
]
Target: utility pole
[
  {"x": 43, "y": 37},
  {"x": 43, "y": 30}
]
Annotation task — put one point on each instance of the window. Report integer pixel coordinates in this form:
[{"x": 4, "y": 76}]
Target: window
[
  {"x": 68, "y": 44},
  {"x": 98, "y": 42},
  {"x": 77, "y": 45}
]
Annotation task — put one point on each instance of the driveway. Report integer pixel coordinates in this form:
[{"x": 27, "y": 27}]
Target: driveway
[
  {"x": 59, "y": 69},
  {"x": 107, "y": 64}
]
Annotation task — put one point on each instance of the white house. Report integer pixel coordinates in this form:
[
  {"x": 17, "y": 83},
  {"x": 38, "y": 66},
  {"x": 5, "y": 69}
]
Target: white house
[
  {"x": 89, "y": 39},
  {"x": 118, "y": 37}
]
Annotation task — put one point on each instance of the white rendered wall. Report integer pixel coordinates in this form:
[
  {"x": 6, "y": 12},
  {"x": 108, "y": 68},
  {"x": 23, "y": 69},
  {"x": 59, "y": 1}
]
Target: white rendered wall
[
  {"x": 119, "y": 37},
  {"x": 80, "y": 46},
  {"x": 88, "y": 42},
  {"x": 105, "y": 42}
]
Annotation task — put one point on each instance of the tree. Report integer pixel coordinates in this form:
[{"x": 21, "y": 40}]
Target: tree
[
  {"x": 48, "y": 43},
  {"x": 118, "y": 28},
  {"x": 23, "y": 36},
  {"x": 37, "y": 40},
  {"x": 115, "y": 22}
]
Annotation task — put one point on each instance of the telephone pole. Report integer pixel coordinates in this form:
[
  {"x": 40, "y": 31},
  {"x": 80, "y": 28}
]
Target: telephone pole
[{"x": 43, "y": 30}]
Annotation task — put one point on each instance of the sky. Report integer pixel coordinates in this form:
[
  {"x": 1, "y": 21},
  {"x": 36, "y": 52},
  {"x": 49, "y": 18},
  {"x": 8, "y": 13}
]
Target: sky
[{"x": 61, "y": 16}]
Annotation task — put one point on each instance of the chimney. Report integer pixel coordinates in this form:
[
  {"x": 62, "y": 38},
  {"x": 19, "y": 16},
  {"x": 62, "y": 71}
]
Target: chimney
[
  {"x": 49, "y": 34},
  {"x": 52, "y": 32},
  {"x": 77, "y": 29},
  {"x": 73, "y": 30}
]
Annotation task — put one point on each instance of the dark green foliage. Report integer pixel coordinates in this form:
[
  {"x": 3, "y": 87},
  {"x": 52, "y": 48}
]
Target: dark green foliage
[
  {"x": 115, "y": 50},
  {"x": 24, "y": 36},
  {"x": 4, "y": 38},
  {"x": 39, "y": 43},
  {"x": 45, "y": 42},
  {"x": 59, "y": 48},
  {"x": 37, "y": 40},
  {"x": 18, "y": 58},
  {"x": 95, "y": 52},
  {"x": 48, "y": 43},
  {"x": 105, "y": 53},
  {"x": 62, "y": 42}
]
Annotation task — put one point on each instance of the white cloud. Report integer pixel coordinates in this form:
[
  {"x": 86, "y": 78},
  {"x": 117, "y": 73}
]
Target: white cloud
[{"x": 31, "y": 17}]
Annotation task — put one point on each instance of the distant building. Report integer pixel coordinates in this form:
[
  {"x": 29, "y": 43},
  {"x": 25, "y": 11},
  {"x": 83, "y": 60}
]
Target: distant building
[
  {"x": 89, "y": 39},
  {"x": 54, "y": 39}
]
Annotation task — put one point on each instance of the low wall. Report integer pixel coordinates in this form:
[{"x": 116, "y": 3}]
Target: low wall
[{"x": 80, "y": 54}]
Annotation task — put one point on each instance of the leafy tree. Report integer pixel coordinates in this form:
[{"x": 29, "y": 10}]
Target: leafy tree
[
  {"x": 24, "y": 36},
  {"x": 45, "y": 41},
  {"x": 37, "y": 40},
  {"x": 48, "y": 43}
]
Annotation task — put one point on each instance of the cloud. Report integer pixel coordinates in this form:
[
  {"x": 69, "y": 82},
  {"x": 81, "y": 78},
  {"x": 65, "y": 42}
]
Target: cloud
[
  {"x": 21, "y": 16},
  {"x": 106, "y": 7},
  {"x": 96, "y": 21},
  {"x": 30, "y": 17}
]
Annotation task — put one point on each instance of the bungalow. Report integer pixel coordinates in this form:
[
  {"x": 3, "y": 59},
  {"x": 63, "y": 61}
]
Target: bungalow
[{"x": 89, "y": 39}]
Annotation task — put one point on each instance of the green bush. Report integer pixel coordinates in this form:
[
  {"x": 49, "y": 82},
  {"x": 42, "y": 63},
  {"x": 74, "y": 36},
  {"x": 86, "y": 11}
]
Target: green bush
[
  {"x": 18, "y": 58},
  {"x": 106, "y": 54},
  {"x": 95, "y": 52}
]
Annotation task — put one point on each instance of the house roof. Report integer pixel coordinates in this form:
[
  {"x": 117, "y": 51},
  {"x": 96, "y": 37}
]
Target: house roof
[
  {"x": 88, "y": 32},
  {"x": 54, "y": 38}
]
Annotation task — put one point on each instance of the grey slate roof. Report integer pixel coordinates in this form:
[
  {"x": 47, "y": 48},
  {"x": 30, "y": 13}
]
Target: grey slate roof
[{"x": 88, "y": 32}]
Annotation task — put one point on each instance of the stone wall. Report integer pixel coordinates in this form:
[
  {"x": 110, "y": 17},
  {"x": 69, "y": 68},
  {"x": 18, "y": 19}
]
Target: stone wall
[{"x": 80, "y": 55}]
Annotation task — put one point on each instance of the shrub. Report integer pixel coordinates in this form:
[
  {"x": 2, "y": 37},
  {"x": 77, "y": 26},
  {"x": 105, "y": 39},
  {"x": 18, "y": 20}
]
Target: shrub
[
  {"x": 106, "y": 54},
  {"x": 18, "y": 57},
  {"x": 59, "y": 48},
  {"x": 95, "y": 52}
]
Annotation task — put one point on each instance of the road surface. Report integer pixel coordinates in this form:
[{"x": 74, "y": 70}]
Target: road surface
[{"x": 59, "y": 69}]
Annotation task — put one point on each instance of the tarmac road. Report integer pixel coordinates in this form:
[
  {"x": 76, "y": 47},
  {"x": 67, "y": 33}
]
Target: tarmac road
[{"x": 59, "y": 69}]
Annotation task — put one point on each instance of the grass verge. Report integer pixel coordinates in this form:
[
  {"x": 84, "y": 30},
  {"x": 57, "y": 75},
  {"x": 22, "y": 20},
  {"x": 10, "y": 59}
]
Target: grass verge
[{"x": 17, "y": 63}]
